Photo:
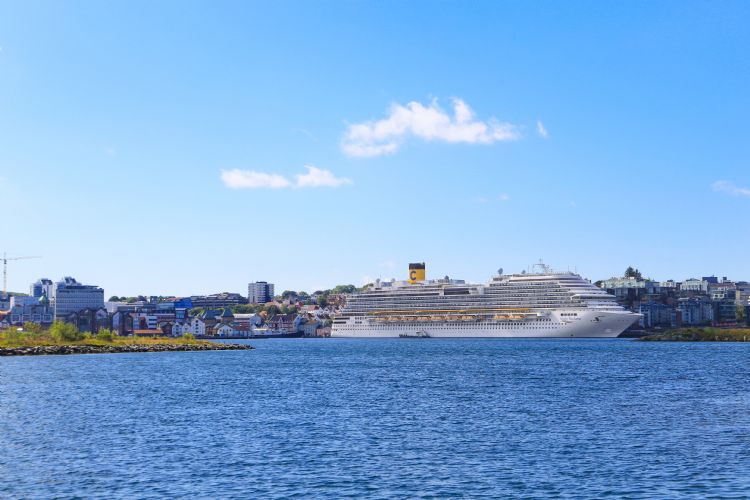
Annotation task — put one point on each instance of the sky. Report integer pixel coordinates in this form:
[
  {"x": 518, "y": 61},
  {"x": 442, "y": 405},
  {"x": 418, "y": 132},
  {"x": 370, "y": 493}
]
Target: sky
[{"x": 181, "y": 148}]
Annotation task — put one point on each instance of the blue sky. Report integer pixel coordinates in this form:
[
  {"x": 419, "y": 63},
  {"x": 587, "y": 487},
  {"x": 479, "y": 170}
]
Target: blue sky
[{"x": 180, "y": 148}]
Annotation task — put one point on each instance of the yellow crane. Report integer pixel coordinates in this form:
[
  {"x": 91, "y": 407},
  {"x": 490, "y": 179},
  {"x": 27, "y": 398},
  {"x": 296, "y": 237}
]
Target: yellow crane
[{"x": 5, "y": 269}]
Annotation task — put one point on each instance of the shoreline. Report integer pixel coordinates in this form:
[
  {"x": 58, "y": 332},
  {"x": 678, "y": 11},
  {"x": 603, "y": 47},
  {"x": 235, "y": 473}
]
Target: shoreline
[
  {"x": 56, "y": 350},
  {"x": 700, "y": 334}
]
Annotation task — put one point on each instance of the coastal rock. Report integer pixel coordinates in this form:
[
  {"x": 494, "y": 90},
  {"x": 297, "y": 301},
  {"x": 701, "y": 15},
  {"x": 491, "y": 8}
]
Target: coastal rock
[{"x": 107, "y": 349}]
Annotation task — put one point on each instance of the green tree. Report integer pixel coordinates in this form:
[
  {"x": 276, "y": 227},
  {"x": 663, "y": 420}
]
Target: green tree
[
  {"x": 322, "y": 301},
  {"x": 273, "y": 310},
  {"x": 630, "y": 272},
  {"x": 64, "y": 332}
]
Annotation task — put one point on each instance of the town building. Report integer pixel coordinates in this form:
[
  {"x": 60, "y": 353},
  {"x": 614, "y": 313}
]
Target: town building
[
  {"x": 69, "y": 296},
  {"x": 41, "y": 287},
  {"x": 30, "y": 309},
  {"x": 695, "y": 311},
  {"x": 657, "y": 315},
  {"x": 260, "y": 292},
  {"x": 723, "y": 290},
  {"x": 88, "y": 319},
  {"x": 694, "y": 285},
  {"x": 725, "y": 311},
  {"x": 217, "y": 300},
  {"x": 283, "y": 323},
  {"x": 742, "y": 293}
]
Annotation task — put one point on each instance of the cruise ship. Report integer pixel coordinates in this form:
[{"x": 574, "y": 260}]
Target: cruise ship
[{"x": 538, "y": 304}]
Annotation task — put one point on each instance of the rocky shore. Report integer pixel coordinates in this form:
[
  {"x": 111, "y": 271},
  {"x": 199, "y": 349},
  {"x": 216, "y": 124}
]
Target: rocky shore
[
  {"x": 700, "y": 335},
  {"x": 111, "y": 349}
]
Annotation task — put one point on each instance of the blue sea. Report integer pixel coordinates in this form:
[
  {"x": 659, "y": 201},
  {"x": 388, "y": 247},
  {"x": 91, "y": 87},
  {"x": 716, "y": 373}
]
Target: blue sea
[{"x": 385, "y": 418}]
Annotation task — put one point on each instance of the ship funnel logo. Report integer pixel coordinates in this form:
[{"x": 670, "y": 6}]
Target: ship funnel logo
[{"x": 416, "y": 272}]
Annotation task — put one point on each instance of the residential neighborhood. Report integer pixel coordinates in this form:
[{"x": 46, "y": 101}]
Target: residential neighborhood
[
  {"x": 221, "y": 315},
  {"x": 704, "y": 301}
]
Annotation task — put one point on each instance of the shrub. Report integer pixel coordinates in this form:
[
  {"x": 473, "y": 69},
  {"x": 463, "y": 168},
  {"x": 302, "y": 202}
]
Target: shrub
[
  {"x": 105, "y": 334},
  {"x": 66, "y": 332},
  {"x": 189, "y": 337},
  {"x": 33, "y": 330},
  {"x": 14, "y": 335}
]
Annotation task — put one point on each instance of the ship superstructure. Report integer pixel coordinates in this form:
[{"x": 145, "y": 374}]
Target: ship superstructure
[{"x": 538, "y": 304}]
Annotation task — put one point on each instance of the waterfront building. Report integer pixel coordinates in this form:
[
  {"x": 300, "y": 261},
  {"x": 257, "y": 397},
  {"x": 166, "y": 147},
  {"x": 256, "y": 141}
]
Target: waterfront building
[
  {"x": 282, "y": 323},
  {"x": 223, "y": 330},
  {"x": 725, "y": 311},
  {"x": 69, "y": 296},
  {"x": 695, "y": 311},
  {"x": 30, "y": 309},
  {"x": 179, "y": 329},
  {"x": 241, "y": 330},
  {"x": 657, "y": 315},
  {"x": 88, "y": 319},
  {"x": 248, "y": 320},
  {"x": 260, "y": 292},
  {"x": 199, "y": 326}
]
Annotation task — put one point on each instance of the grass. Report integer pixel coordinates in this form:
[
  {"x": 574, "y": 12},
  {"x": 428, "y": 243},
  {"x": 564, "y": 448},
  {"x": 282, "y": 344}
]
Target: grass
[
  {"x": 12, "y": 338},
  {"x": 702, "y": 334}
]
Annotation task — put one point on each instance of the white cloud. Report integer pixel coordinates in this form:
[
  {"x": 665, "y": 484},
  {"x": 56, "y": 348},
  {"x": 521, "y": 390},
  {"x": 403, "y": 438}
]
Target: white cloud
[
  {"x": 240, "y": 179},
  {"x": 729, "y": 188},
  {"x": 540, "y": 128},
  {"x": 431, "y": 123},
  {"x": 317, "y": 177},
  {"x": 250, "y": 179},
  {"x": 504, "y": 197}
]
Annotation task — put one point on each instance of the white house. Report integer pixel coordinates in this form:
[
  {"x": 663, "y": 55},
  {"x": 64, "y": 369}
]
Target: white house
[{"x": 223, "y": 330}]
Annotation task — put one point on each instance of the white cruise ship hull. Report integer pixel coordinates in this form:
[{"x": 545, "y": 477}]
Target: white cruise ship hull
[{"x": 558, "y": 324}]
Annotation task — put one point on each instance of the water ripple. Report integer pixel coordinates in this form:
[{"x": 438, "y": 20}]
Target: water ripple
[{"x": 381, "y": 419}]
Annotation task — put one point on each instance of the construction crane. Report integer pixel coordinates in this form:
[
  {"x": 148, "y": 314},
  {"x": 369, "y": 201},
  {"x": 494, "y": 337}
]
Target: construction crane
[{"x": 5, "y": 270}]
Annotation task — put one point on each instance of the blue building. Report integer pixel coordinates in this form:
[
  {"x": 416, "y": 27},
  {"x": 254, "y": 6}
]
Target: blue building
[
  {"x": 657, "y": 315},
  {"x": 696, "y": 311},
  {"x": 725, "y": 311}
]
